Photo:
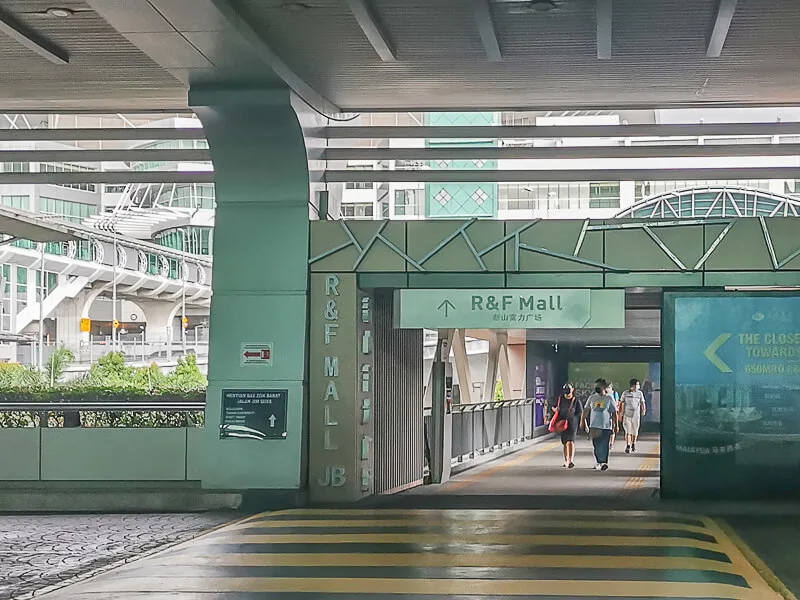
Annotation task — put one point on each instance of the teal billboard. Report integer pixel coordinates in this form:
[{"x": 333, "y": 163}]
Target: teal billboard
[{"x": 732, "y": 375}]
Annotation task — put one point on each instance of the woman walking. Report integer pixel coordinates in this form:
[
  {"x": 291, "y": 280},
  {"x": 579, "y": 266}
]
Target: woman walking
[
  {"x": 568, "y": 409},
  {"x": 599, "y": 418}
]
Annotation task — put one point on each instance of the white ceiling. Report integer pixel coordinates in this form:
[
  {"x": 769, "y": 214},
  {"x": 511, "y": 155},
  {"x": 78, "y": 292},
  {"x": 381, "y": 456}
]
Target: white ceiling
[{"x": 549, "y": 60}]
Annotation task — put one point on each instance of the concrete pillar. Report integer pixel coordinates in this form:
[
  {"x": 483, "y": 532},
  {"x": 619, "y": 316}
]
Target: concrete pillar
[
  {"x": 504, "y": 365},
  {"x": 260, "y": 285},
  {"x": 461, "y": 361},
  {"x": 161, "y": 324},
  {"x": 492, "y": 361}
]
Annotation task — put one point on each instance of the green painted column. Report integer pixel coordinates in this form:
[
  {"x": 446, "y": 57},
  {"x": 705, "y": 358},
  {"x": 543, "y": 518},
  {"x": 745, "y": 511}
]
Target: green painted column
[{"x": 260, "y": 281}]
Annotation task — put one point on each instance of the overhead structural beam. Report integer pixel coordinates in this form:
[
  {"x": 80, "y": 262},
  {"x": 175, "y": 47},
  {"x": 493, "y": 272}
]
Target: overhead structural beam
[
  {"x": 483, "y": 19},
  {"x": 725, "y": 12},
  {"x": 263, "y": 50},
  {"x": 511, "y": 132},
  {"x": 16, "y": 30},
  {"x": 605, "y": 9},
  {"x": 556, "y": 153},
  {"x": 101, "y": 135},
  {"x": 107, "y": 177},
  {"x": 366, "y": 19},
  {"x": 125, "y": 155},
  {"x": 558, "y": 175}
]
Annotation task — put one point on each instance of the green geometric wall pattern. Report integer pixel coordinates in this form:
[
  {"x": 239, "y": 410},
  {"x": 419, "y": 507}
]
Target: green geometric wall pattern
[
  {"x": 461, "y": 200},
  {"x": 557, "y": 253}
]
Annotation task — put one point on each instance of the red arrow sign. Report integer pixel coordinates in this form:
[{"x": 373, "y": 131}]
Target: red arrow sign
[{"x": 264, "y": 354}]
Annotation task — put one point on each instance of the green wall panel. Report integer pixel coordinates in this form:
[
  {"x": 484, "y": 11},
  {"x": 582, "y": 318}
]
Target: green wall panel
[
  {"x": 456, "y": 255},
  {"x": 743, "y": 249},
  {"x": 382, "y": 280},
  {"x": 114, "y": 454},
  {"x": 635, "y": 250},
  {"x": 554, "y": 280},
  {"x": 785, "y": 239},
  {"x": 456, "y": 280},
  {"x": 380, "y": 257},
  {"x": 326, "y": 235},
  {"x": 645, "y": 279},
  {"x": 752, "y": 278},
  {"x": 20, "y": 451},
  {"x": 194, "y": 453},
  {"x": 556, "y": 236}
]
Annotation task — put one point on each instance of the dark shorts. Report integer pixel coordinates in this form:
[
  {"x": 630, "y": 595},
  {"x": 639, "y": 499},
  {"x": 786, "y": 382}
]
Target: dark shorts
[{"x": 571, "y": 432}]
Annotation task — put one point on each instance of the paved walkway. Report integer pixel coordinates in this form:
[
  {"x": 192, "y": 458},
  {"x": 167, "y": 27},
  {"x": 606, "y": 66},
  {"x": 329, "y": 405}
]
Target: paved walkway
[
  {"x": 38, "y": 552},
  {"x": 536, "y": 478},
  {"x": 436, "y": 555},
  {"x": 463, "y": 550}
]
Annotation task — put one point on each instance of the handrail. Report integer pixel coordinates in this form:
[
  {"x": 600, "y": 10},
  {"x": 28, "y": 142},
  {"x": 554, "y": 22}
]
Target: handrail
[
  {"x": 102, "y": 406},
  {"x": 461, "y": 408}
]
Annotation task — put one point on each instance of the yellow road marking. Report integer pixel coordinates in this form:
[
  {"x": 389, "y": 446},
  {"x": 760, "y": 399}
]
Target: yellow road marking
[
  {"x": 738, "y": 559},
  {"x": 448, "y": 561},
  {"x": 483, "y": 514},
  {"x": 472, "y": 524},
  {"x": 764, "y": 572},
  {"x": 525, "y": 456},
  {"x": 462, "y": 538},
  {"x": 472, "y": 587}
]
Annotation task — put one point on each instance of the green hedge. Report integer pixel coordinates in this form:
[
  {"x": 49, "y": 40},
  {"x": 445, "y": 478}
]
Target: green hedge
[{"x": 110, "y": 379}]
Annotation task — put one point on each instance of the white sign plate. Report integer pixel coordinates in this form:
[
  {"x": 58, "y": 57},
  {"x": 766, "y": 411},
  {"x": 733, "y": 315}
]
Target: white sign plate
[
  {"x": 509, "y": 309},
  {"x": 256, "y": 354}
]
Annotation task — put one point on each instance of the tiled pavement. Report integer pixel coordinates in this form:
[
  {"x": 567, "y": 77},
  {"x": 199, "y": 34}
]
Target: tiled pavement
[{"x": 38, "y": 552}]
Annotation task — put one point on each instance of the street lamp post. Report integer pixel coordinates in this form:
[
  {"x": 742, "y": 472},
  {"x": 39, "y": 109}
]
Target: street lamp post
[
  {"x": 40, "y": 358},
  {"x": 114, "y": 290}
]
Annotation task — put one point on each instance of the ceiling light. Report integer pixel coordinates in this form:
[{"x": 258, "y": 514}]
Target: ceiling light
[{"x": 60, "y": 13}]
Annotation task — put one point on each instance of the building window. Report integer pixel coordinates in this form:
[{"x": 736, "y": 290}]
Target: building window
[
  {"x": 15, "y": 167},
  {"x": 75, "y": 212},
  {"x": 195, "y": 240},
  {"x": 409, "y": 203},
  {"x": 604, "y": 195},
  {"x": 360, "y": 185},
  {"x": 20, "y": 202},
  {"x": 69, "y": 168},
  {"x": 114, "y": 189},
  {"x": 359, "y": 210}
]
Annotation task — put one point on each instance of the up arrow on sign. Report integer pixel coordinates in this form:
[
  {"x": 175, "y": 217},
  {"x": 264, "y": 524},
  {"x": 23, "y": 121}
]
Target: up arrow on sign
[
  {"x": 447, "y": 306},
  {"x": 272, "y": 420}
]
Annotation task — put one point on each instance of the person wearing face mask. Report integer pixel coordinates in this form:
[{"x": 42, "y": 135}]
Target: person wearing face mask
[
  {"x": 568, "y": 410},
  {"x": 633, "y": 409},
  {"x": 599, "y": 418}
]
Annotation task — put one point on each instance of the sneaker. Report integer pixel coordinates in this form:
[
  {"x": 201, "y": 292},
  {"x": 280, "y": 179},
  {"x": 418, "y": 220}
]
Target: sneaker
[
  {"x": 597, "y": 467},
  {"x": 571, "y": 465},
  {"x": 633, "y": 448},
  {"x": 604, "y": 467},
  {"x": 566, "y": 464},
  {"x": 628, "y": 450}
]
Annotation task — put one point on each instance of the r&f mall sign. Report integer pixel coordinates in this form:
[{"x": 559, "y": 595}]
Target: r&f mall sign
[{"x": 510, "y": 309}]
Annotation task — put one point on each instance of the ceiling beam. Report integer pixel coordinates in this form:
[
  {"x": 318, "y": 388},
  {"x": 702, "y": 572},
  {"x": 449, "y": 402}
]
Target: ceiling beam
[
  {"x": 529, "y": 153},
  {"x": 605, "y": 10},
  {"x": 107, "y": 177},
  {"x": 512, "y": 132},
  {"x": 265, "y": 52},
  {"x": 366, "y": 19},
  {"x": 559, "y": 175},
  {"x": 483, "y": 19},
  {"x": 722, "y": 23},
  {"x": 17, "y": 31},
  {"x": 108, "y": 155},
  {"x": 102, "y": 134}
]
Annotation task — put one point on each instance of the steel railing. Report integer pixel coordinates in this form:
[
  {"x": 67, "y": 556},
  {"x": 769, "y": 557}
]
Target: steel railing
[{"x": 481, "y": 428}]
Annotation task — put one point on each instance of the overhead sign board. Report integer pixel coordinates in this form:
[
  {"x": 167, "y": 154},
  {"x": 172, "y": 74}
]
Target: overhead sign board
[
  {"x": 254, "y": 414},
  {"x": 510, "y": 309},
  {"x": 256, "y": 354}
]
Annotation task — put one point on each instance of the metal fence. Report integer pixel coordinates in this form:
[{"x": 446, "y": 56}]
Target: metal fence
[{"x": 481, "y": 428}]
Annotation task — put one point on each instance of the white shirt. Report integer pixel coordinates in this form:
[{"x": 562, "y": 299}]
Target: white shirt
[{"x": 633, "y": 402}]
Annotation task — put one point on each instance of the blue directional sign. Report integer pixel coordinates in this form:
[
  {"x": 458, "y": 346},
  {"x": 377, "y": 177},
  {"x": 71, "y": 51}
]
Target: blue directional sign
[
  {"x": 738, "y": 340},
  {"x": 737, "y": 373}
]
